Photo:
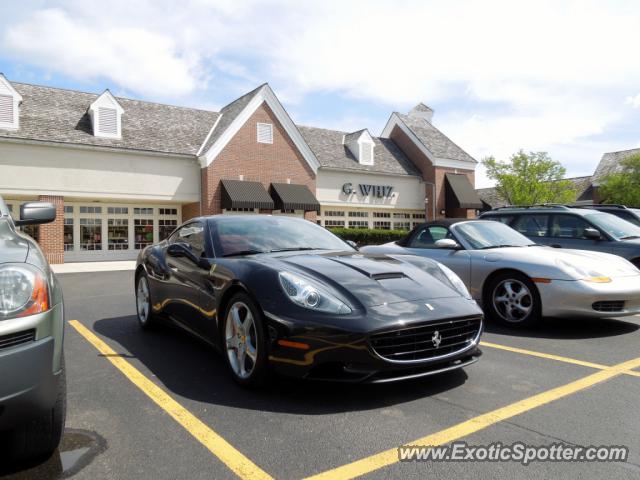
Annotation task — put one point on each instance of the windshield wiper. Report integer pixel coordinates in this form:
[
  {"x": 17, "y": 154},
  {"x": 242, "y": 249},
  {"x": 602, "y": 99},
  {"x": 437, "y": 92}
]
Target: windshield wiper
[
  {"x": 243, "y": 252},
  {"x": 498, "y": 246},
  {"x": 629, "y": 237},
  {"x": 295, "y": 249}
]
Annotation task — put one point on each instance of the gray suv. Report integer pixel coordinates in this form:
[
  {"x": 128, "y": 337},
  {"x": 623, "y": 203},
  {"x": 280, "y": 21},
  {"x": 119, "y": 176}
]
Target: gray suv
[
  {"x": 578, "y": 228},
  {"x": 32, "y": 380},
  {"x": 626, "y": 213}
]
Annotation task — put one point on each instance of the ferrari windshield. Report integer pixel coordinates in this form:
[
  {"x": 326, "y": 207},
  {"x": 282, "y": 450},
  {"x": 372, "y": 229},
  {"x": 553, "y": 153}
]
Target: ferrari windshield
[
  {"x": 488, "y": 234},
  {"x": 251, "y": 234},
  {"x": 615, "y": 226}
]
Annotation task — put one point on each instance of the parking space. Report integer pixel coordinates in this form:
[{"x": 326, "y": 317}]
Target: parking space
[{"x": 166, "y": 407}]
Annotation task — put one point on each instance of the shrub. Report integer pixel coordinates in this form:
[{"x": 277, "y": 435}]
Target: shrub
[{"x": 365, "y": 236}]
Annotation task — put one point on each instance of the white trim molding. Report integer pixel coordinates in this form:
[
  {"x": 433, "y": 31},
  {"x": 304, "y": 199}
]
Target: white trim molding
[
  {"x": 263, "y": 95},
  {"x": 7, "y": 90}
]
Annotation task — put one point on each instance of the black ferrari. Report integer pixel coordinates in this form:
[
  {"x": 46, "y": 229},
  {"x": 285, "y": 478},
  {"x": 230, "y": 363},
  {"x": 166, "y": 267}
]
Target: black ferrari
[{"x": 283, "y": 294}]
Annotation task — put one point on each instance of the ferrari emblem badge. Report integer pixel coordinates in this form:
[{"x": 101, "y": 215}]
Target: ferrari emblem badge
[{"x": 436, "y": 339}]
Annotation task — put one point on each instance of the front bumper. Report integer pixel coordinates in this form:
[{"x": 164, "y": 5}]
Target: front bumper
[
  {"x": 562, "y": 298},
  {"x": 350, "y": 356},
  {"x": 30, "y": 372}
]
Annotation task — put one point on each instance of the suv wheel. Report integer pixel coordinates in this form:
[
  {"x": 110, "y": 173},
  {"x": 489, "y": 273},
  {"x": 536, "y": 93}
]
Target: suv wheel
[
  {"x": 39, "y": 438},
  {"x": 512, "y": 299}
]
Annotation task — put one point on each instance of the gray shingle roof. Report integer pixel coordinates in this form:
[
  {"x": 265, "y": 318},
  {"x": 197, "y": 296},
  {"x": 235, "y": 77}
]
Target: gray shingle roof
[
  {"x": 610, "y": 163},
  {"x": 229, "y": 114},
  {"x": 350, "y": 137},
  {"x": 58, "y": 115},
  {"x": 328, "y": 148},
  {"x": 582, "y": 186},
  {"x": 436, "y": 141}
]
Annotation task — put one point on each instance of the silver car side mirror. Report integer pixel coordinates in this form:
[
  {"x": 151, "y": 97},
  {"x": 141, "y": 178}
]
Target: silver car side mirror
[{"x": 447, "y": 243}]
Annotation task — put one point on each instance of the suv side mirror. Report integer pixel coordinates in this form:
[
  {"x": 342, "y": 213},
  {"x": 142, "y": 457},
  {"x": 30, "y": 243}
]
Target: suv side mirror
[
  {"x": 447, "y": 243},
  {"x": 592, "y": 234},
  {"x": 35, "y": 213}
]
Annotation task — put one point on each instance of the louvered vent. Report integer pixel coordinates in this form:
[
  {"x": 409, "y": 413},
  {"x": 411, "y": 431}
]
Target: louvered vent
[
  {"x": 107, "y": 121},
  {"x": 6, "y": 109},
  {"x": 366, "y": 157},
  {"x": 265, "y": 133}
]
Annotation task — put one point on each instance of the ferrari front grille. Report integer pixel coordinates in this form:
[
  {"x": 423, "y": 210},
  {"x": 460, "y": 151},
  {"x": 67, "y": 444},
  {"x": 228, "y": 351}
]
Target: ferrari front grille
[
  {"x": 15, "y": 339},
  {"x": 426, "y": 341},
  {"x": 609, "y": 306}
]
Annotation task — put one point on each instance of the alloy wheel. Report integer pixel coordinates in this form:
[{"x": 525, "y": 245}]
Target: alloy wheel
[
  {"x": 513, "y": 300},
  {"x": 241, "y": 340},
  {"x": 142, "y": 299}
]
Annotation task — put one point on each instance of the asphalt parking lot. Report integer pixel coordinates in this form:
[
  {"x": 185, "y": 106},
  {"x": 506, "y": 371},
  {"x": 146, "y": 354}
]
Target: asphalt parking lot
[{"x": 161, "y": 405}]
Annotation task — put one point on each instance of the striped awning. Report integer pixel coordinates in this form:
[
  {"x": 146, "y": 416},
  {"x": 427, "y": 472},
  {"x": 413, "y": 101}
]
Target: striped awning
[
  {"x": 290, "y": 196},
  {"x": 240, "y": 194}
]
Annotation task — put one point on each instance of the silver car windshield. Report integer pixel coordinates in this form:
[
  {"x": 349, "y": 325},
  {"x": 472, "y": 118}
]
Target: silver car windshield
[
  {"x": 485, "y": 235},
  {"x": 615, "y": 226}
]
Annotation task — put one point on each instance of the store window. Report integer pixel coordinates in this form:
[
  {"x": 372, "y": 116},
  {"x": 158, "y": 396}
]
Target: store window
[
  {"x": 359, "y": 214},
  {"x": 382, "y": 214},
  {"x": 419, "y": 216},
  {"x": 334, "y": 223},
  {"x": 91, "y": 210},
  {"x": 143, "y": 211},
  {"x": 118, "y": 210},
  {"x": 143, "y": 232},
  {"x": 68, "y": 209},
  {"x": 334, "y": 213},
  {"x": 168, "y": 211},
  {"x": 358, "y": 224},
  {"x": 401, "y": 215},
  {"x": 68, "y": 234},
  {"x": 402, "y": 226},
  {"x": 165, "y": 227},
  {"x": 118, "y": 234},
  {"x": 90, "y": 232},
  {"x": 382, "y": 225}
]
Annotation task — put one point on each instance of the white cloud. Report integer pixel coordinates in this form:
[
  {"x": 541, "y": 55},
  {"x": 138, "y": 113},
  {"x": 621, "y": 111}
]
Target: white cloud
[{"x": 633, "y": 101}]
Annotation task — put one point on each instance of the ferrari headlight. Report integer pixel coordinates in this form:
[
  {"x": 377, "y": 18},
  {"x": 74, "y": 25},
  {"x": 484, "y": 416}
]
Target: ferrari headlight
[
  {"x": 455, "y": 281},
  {"x": 582, "y": 273},
  {"x": 23, "y": 291},
  {"x": 308, "y": 295}
]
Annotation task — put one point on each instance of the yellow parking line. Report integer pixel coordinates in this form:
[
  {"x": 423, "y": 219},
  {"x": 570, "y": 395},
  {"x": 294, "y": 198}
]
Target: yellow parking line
[
  {"x": 236, "y": 461},
  {"x": 549, "y": 356},
  {"x": 390, "y": 457}
]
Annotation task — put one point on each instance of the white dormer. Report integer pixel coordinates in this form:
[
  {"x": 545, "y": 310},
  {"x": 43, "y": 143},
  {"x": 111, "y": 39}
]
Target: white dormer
[
  {"x": 10, "y": 101},
  {"x": 106, "y": 116},
  {"x": 361, "y": 145}
]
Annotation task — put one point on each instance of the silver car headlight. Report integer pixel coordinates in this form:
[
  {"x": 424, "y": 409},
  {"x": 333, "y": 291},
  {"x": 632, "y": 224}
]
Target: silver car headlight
[
  {"x": 582, "y": 273},
  {"x": 23, "y": 291},
  {"x": 307, "y": 294},
  {"x": 455, "y": 281}
]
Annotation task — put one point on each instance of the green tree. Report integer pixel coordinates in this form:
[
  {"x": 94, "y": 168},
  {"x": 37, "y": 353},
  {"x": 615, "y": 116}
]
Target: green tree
[
  {"x": 624, "y": 186},
  {"x": 528, "y": 179}
]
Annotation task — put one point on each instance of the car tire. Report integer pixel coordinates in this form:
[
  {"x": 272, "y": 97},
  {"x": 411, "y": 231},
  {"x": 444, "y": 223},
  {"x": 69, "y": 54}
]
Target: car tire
[
  {"x": 39, "y": 438},
  {"x": 512, "y": 299},
  {"x": 244, "y": 341},
  {"x": 144, "y": 310}
]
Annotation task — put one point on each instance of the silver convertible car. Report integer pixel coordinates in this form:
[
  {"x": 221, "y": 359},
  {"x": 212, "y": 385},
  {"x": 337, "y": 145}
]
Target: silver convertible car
[{"x": 517, "y": 281}]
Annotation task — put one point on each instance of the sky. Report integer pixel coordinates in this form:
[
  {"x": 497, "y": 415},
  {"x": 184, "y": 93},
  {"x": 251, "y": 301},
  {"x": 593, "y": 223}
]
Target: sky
[{"x": 555, "y": 76}]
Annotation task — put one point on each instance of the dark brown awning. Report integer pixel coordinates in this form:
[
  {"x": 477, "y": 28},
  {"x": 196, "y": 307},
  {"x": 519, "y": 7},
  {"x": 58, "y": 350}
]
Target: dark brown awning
[
  {"x": 240, "y": 194},
  {"x": 290, "y": 196},
  {"x": 460, "y": 193}
]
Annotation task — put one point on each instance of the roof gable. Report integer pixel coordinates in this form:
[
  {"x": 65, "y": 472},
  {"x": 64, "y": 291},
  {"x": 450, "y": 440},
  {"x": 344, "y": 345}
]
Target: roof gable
[
  {"x": 610, "y": 163},
  {"x": 236, "y": 114}
]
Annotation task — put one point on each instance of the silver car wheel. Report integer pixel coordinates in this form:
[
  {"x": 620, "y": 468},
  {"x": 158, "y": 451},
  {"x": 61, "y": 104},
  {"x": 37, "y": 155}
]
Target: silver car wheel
[
  {"x": 512, "y": 300},
  {"x": 241, "y": 340},
  {"x": 142, "y": 299}
]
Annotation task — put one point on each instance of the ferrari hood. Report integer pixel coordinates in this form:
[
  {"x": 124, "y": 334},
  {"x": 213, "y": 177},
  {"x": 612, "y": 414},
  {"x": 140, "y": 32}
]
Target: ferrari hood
[{"x": 372, "y": 279}]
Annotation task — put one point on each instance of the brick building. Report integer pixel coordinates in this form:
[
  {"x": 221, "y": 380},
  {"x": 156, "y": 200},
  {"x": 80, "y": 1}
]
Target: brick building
[{"x": 124, "y": 173}]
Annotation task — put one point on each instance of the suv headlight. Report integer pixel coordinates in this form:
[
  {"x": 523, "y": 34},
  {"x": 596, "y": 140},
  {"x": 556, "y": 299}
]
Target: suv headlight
[
  {"x": 307, "y": 294},
  {"x": 455, "y": 281},
  {"x": 23, "y": 291}
]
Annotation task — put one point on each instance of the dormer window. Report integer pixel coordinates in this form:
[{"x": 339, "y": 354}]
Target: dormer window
[
  {"x": 10, "y": 101},
  {"x": 361, "y": 146},
  {"x": 106, "y": 116}
]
